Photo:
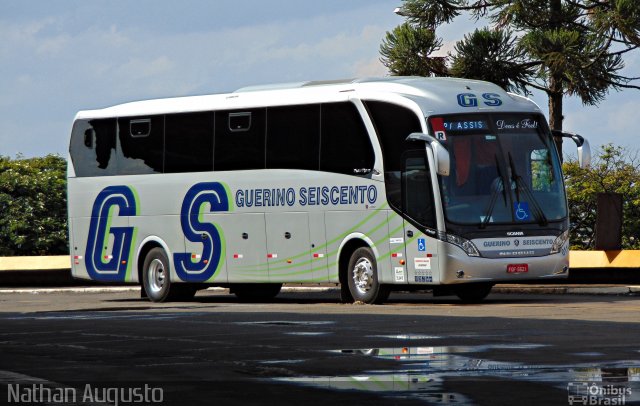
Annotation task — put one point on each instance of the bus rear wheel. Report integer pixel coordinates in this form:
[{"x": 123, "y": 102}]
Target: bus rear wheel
[
  {"x": 362, "y": 278},
  {"x": 473, "y": 292},
  {"x": 157, "y": 283}
]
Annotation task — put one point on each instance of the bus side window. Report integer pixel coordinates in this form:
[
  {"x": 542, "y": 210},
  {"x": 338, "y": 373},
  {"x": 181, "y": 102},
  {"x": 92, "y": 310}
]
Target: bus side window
[
  {"x": 92, "y": 145},
  {"x": 345, "y": 145},
  {"x": 141, "y": 145},
  {"x": 393, "y": 124},
  {"x": 105, "y": 142},
  {"x": 239, "y": 141},
  {"x": 293, "y": 137},
  {"x": 417, "y": 193},
  {"x": 188, "y": 142}
]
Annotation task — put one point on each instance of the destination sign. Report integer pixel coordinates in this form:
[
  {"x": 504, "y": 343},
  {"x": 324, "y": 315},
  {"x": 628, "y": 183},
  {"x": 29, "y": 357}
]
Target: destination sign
[{"x": 466, "y": 125}]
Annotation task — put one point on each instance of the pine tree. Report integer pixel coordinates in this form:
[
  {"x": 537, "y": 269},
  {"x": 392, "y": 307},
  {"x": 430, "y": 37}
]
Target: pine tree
[{"x": 561, "y": 47}]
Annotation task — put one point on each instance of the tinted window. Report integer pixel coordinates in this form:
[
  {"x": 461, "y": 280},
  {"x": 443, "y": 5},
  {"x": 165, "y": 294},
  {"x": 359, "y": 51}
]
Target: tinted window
[
  {"x": 239, "y": 140},
  {"x": 416, "y": 189},
  {"x": 393, "y": 124},
  {"x": 141, "y": 144},
  {"x": 345, "y": 145},
  {"x": 93, "y": 143},
  {"x": 188, "y": 142},
  {"x": 293, "y": 137}
]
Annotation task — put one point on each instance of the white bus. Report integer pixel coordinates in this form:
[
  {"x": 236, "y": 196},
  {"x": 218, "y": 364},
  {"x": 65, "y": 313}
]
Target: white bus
[{"x": 384, "y": 184}]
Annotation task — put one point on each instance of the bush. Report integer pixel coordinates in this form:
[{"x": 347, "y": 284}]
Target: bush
[
  {"x": 33, "y": 203},
  {"x": 612, "y": 171}
]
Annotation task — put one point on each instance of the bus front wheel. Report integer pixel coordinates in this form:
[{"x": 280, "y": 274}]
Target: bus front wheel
[{"x": 362, "y": 278}]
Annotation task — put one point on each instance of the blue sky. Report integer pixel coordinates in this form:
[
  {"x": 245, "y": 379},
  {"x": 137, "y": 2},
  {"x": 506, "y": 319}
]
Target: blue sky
[{"x": 61, "y": 56}]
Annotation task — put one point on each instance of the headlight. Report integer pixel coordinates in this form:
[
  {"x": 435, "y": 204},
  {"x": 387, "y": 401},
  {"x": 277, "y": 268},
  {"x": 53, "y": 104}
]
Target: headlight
[
  {"x": 466, "y": 245},
  {"x": 559, "y": 242}
]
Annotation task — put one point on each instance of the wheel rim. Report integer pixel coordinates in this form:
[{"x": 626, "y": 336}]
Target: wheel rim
[
  {"x": 157, "y": 275},
  {"x": 363, "y": 275}
]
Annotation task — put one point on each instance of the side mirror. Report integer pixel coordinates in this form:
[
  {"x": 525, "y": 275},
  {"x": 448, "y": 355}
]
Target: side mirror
[
  {"x": 584, "y": 155},
  {"x": 584, "y": 149},
  {"x": 440, "y": 153}
]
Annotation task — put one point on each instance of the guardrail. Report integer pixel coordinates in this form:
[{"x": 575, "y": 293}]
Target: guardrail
[
  {"x": 605, "y": 259},
  {"x": 40, "y": 263},
  {"x": 36, "y": 271}
]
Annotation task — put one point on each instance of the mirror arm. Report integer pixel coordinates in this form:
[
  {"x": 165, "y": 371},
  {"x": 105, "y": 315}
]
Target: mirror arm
[
  {"x": 578, "y": 139},
  {"x": 584, "y": 150},
  {"x": 440, "y": 153},
  {"x": 421, "y": 137}
]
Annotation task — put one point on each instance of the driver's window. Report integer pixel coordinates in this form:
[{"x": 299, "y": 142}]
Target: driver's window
[{"x": 417, "y": 194}]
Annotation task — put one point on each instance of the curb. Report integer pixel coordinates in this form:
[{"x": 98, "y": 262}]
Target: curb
[
  {"x": 568, "y": 290},
  {"x": 617, "y": 271},
  {"x": 136, "y": 288},
  {"x": 498, "y": 289}
]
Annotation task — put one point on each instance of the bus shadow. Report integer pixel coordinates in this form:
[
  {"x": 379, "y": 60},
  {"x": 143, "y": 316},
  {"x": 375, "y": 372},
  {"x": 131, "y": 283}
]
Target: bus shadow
[{"x": 396, "y": 299}]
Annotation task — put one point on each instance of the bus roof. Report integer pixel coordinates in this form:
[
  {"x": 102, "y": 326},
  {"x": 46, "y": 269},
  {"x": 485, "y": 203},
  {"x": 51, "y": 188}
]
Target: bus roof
[{"x": 432, "y": 95}]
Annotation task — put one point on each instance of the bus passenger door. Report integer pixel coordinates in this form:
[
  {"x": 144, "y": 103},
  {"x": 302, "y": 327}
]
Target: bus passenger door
[
  {"x": 243, "y": 235},
  {"x": 288, "y": 250},
  {"x": 318, "y": 246},
  {"x": 419, "y": 212},
  {"x": 397, "y": 262}
]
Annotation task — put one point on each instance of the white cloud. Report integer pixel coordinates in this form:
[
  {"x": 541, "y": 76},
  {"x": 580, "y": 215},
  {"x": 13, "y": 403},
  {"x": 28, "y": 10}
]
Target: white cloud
[
  {"x": 446, "y": 48},
  {"x": 613, "y": 121},
  {"x": 56, "y": 65},
  {"x": 53, "y": 45},
  {"x": 371, "y": 67}
]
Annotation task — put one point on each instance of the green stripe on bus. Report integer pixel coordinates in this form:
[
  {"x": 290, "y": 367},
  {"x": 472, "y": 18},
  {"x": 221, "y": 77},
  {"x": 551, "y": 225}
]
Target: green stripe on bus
[{"x": 338, "y": 238}]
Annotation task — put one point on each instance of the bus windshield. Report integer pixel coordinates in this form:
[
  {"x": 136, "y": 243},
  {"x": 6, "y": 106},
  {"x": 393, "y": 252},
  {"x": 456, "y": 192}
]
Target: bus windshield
[{"x": 504, "y": 170}]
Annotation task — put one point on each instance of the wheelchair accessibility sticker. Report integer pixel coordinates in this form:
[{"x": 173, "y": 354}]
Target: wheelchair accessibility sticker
[
  {"x": 521, "y": 211},
  {"x": 422, "y": 246}
]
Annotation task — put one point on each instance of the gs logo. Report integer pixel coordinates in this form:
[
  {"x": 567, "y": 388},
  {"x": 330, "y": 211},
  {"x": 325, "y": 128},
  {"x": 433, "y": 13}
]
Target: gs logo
[
  {"x": 114, "y": 266},
  {"x": 471, "y": 100},
  {"x": 101, "y": 265},
  {"x": 195, "y": 230}
]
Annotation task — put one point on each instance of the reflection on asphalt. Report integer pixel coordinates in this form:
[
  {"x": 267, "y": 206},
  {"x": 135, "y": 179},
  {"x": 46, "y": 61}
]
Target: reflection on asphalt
[{"x": 422, "y": 370}]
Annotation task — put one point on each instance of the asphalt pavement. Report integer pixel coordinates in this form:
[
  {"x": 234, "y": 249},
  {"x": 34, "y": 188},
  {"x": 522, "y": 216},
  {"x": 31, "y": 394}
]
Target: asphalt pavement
[{"x": 305, "y": 347}]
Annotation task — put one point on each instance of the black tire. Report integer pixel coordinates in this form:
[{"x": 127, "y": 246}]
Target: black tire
[
  {"x": 155, "y": 275},
  {"x": 256, "y": 292},
  {"x": 156, "y": 284},
  {"x": 473, "y": 292},
  {"x": 362, "y": 278}
]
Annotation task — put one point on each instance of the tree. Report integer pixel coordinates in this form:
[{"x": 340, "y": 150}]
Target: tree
[
  {"x": 612, "y": 171},
  {"x": 406, "y": 51},
  {"x": 561, "y": 47},
  {"x": 33, "y": 206}
]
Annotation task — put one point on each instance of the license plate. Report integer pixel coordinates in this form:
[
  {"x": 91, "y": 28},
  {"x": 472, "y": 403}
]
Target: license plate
[{"x": 517, "y": 268}]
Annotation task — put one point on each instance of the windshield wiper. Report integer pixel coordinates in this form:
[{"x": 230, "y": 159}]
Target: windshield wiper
[
  {"x": 499, "y": 186},
  {"x": 521, "y": 185}
]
